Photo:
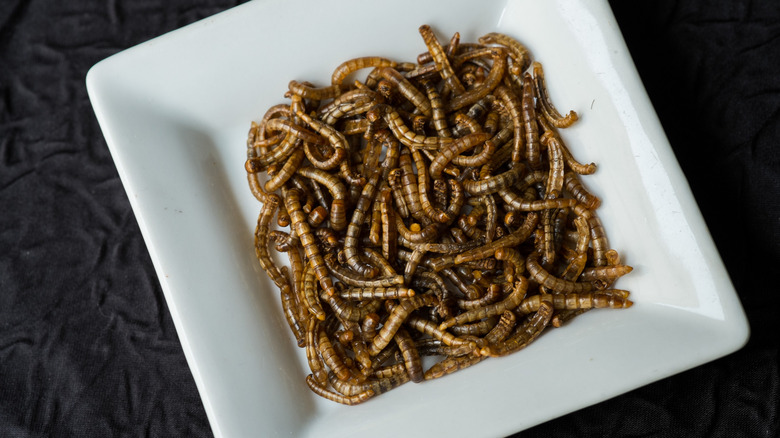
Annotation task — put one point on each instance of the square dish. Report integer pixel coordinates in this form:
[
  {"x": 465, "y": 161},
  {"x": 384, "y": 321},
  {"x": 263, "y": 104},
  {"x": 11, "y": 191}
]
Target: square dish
[{"x": 175, "y": 112}]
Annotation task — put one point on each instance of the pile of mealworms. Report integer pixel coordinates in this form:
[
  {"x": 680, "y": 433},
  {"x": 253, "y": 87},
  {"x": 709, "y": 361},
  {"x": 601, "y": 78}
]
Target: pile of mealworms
[{"x": 433, "y": 210}]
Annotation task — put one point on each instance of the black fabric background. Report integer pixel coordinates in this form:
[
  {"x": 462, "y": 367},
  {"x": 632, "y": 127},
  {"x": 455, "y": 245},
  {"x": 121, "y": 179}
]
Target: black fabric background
[{"x": 87, "y": 346}]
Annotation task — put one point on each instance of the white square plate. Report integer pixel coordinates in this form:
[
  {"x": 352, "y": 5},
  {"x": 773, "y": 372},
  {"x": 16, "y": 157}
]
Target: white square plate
[{"x": 175, "y": 112}]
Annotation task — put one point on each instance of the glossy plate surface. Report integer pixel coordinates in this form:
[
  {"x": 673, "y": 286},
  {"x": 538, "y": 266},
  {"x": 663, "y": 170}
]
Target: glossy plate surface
[{"x": 175, "y": 112}]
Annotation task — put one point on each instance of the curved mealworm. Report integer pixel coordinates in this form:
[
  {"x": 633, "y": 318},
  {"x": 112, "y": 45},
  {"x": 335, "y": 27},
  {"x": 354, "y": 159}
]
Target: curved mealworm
[
  {"x": 409, "y": 91},
  {"x": 491, "y": 81},
  {"x": 524, "y": 334},
  {"x": 338, "y": 215},
  {"x": 316, "y": 365},
  {"x": 479, "y": 328},
  {"x": 437, "y": 110},
  {"x": 451, "y": 364},
  {"x": 338, "y": 398},
  {"x": 514, "y": 263},
  {"x": 422, "y": 235},
  {"x": 423, "y": 188},
  {"x": 309, "y": 243},
  {"x": 410, "y": 355},
  {"x": 348, "y": 311},
  {"x": 510, "y": 302},
  {"x": 431, "y": 329},
  {"x": 513, "y": 239},
  {"x": 396, "y": 318},
  {"x": 572, "y": 184},
  {"x": 406, "y": 136},
  {"x": 517, "y": 51},
  {"x": 494, "y": 184},
  {"x": 548, "y": 109},
  {"x": 351, "y": 279},
  {"x": 598, "y": 236},
  {"x": 608, "y": 273},
  {"x": 307, "y": 91},
  {"x": 352, "y": 65},
  {"x": 383, "y": 263},
  {"x": 375, "y": 387},
  {"x": 290, "y": 166},
  {"x": 290, "y": 309},
  {"x": 502, "y": 329},
  {"x": 453, "y": 149},
  {"x": 553, "y": 283},
  {"x": 492, "y": 295},
  {"x": 440, "y": 60},
  {"x": 261, "y": 241},
  {"x": 311, "y": 294},
  {"x": 410, "y": 188},
  {"x": 354, "y": 226}
]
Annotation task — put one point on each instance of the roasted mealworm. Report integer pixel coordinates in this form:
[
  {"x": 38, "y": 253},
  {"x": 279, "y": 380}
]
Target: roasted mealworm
[
  {"x": 354, "y": 226},
  {"x": 513, "y": 239},
  {"x": 383, "y": 263},
  {"x": 451, "y": 364},
  {"x": 338, "y": 398},
  {"x": 608, "y": 273},
  {"x": 261, "y": 241},
  {"x": 338, "y": 215},
  {"x": 410, "y": 355},
  {"x": 573, "y": 185},
  {"x": 352, "y": 65},
  {"x": 493, "y": 79},
  {"x": 376, "y": 387},
  {"x": 518, "y": 52},
  {"x": 556, "y": 171},
  {"x": 453, "y": 149},
  {"x": 311, "y": 294},
  {"x": 494, "y": 184},
  {"x": 476, "y": 329},
  {"x": 598, "y": 236},
  {"x": 308, "y": 241},
  {"x": 553, "y": 283},
  {"x": 440, "y": 59},
  {"x": 510, "y": 302},
  {"x": 307, "y": 91},
  {"x": 548, "y": 109},
  {"x": 408, "y": 90},
  {"x": 353, "y": 279},
  {"x": 430, "y": 328},
  {"x": 528, "y": 112},
  {"x": 377, "y": 293},
  {"x": 524, "y": 334},
  {"x": 348, "y": 311},
  {"x": 410, "y": 188},
  {"x": 290, "y": 309},
  {"x": 316, "y": 365},
  {"x": 575, "y": 301},
  {"x": 287, "y": 171},
  {"x": 396, "y": 187},
  {"x": 389, "y": 230},
  {"x": 423, "y": 188},
  {"x": 437, "y": 110},
  {"x": 402, "y": 132},
  {"x": 396, "y": 318}
]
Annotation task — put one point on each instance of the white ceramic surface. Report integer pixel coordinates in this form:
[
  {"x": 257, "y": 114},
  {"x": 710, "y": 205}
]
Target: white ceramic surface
[{"x": 175, "y": 112}]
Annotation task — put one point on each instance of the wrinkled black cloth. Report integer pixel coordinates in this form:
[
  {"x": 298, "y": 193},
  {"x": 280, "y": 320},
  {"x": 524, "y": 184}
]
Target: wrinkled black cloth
[{"x": 87, "y": 345}]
